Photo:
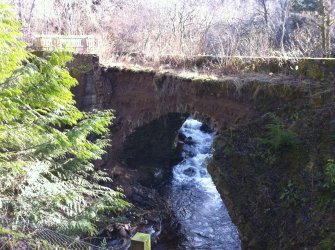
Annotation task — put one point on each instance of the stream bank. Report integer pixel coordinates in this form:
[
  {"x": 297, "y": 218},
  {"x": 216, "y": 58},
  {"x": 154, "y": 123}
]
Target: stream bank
[{"x": 277, "y": 175}]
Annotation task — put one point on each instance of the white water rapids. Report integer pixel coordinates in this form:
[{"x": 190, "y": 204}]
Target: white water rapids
[{"x": 202, "y": 215}]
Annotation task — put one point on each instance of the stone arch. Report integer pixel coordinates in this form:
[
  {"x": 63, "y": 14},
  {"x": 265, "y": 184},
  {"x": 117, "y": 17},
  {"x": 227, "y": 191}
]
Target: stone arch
[{"x": 139, "y": 98}]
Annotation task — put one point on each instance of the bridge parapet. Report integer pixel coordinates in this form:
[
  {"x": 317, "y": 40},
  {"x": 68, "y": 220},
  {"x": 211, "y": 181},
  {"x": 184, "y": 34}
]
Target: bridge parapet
[{"x": 78, "y": 43}]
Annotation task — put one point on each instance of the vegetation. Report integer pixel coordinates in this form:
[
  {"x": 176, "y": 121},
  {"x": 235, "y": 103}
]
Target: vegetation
[
  {"x": 10, "y": 239},
  {"x": 278, "y": 175},
  {"x": 151, "y": 28},
  {"x": 330, "y": 176},
  {"x": 277, "y": 136},
  {"x": 276, "y": 170},
  {"x": 323, "y": 18},
  {"x": 47, "y": 146}
]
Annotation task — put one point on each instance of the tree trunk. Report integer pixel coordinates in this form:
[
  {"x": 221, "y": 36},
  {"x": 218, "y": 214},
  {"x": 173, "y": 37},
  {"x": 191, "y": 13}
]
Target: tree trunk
[
  {"x": 285, "y": 10},
  {"x": 266, "y": 13},
  {"x": 30, "y": 17},
  {"x": 325, "y": 28}
]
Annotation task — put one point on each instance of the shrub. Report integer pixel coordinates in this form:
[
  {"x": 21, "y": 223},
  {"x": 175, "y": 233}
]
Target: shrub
[{"x": 278, "y": 137}]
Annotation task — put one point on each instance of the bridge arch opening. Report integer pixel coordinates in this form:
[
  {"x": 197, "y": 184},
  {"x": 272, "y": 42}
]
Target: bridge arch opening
[
  {"x": 171, "y": 155},
  {"x": 152, "y": 148}
]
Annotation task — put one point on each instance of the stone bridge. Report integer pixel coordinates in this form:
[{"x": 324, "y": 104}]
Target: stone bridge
[
  {"x": 141, "y": 96},
  {"x": 251, "y": 177}
]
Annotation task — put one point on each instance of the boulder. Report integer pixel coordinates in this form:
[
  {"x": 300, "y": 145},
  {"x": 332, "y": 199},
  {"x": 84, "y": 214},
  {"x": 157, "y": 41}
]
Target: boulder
[
  {"x": 190, "y": 172},
  {"x": 206, "y": 128}
]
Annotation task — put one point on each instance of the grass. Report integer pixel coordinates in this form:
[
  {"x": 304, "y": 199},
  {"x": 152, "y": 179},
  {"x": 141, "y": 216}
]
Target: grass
[
  {"x": 213, "y": 76},
  {"x": 238, "y": 70}
]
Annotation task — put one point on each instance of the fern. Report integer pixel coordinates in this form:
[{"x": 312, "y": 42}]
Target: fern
[
  {"x": 278, "y": 137},
  {"x": 330, "y": 175}
]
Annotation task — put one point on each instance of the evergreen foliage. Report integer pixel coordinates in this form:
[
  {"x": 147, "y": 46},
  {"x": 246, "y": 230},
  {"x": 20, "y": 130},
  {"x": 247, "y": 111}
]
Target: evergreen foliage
[
  {"x": 278, "y": 137},
  {"x": 47, "y": 145},
  {"x": 330, "y": 175},
  {"x": 12, "y": 51}
]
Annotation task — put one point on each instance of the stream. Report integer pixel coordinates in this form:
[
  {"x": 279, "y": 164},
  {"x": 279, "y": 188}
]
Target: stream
[{"x": 203, "y": 217}]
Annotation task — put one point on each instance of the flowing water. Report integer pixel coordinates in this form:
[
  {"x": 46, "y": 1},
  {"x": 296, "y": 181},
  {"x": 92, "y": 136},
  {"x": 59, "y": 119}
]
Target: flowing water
[{"x": 202, "y": 215}]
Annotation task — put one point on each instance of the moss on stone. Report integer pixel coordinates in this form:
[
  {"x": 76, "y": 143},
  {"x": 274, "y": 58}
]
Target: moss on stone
[
  {"x": 275, "y": 194},
  {"x": 80, "y": 70}
]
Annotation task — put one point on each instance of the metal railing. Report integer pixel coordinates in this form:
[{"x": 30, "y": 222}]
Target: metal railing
[
  {"x": 30, "y": 236},
  {"x": 24, "y": 235}
]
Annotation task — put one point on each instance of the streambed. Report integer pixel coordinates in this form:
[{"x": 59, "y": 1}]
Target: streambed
[{"x": 200, "y": 211}]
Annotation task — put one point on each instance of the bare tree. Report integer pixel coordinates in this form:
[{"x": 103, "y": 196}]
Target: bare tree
[
  {"x": 26, "y": 12},
  {"x": 187, "y": 27},
  {"x": 264, "y": 10},
  {"x": 326, "y": 7},
  {"x": 285, "y": 7}
]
